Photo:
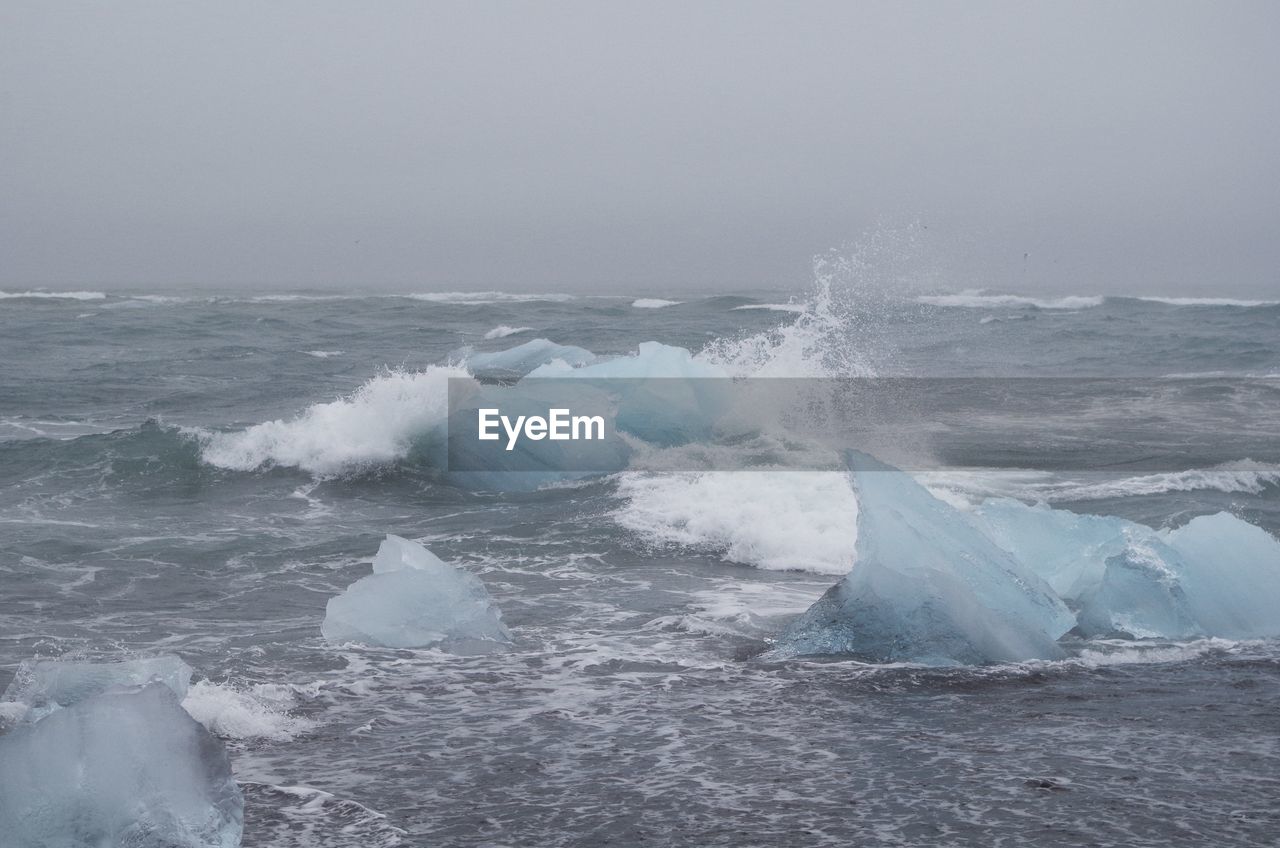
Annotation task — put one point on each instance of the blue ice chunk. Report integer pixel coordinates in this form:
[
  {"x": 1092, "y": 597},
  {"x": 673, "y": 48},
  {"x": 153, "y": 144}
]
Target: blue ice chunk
[
  {"x": 1068, "y": 550},
  {"x": 415, "y": 600},
  {"x": 664, "y": 394},
  {"x": 127, "y": 767},
  {"x": 1140, "y": 594},
  {"x": 926, "y": 586},
  {"x": 522, "y": 359},
  {"x": 46, "y": 685},
  {"x": 1216, "y": 576}
]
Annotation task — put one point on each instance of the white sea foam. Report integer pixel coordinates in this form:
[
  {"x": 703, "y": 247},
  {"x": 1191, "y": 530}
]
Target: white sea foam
[
  {"x": 980, "y": 299},
  {"x": 55, "y": 295},
  {"x": 1104, "y": 653},
  {"x": 654, "y": 303},
  {"x": 741, "y": 608},
  {"x": 255, "y": 712},
  {"x": 324, "y": 354},
  {"x": 376, "y": 425},
  {"x": 502, "y": 331},
  {"x": 779, "y": 520}
]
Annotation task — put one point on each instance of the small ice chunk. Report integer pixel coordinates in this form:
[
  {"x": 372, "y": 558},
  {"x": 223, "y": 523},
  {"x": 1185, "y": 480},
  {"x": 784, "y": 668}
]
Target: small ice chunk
[
  {"x": 926, "y": 586},
  {"x": 524, "y": 358},
  {"x": 665, "y": 395},
  {"x": 46, "y": 685},
  {"x": 413, "y": 600},
  {"x": 121, "y": 768}
]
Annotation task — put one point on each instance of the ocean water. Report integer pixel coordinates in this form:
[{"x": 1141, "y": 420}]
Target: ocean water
[{"x": 199, "y": 474}]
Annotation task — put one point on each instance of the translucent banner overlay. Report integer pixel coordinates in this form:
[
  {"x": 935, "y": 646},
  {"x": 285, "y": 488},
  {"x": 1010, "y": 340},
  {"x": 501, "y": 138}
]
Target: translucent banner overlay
[{"x": 1057, "y": 424}]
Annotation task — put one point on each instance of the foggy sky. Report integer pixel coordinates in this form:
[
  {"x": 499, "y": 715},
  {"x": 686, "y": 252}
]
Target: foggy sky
[{"x": 638, "y": 147}]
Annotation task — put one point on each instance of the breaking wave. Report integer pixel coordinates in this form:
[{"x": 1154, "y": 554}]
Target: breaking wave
[
  {"x": 378, "y": 424},
  {"x": 776, "y": 520},
  {"x": 391, "y": 415}
]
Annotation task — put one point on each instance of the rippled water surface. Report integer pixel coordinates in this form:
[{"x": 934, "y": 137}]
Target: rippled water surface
[{"x": 147, "y": 505}]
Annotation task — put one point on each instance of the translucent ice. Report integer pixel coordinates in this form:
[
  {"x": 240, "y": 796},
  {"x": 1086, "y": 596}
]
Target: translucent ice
[
  {"x": 664, "y": 394},
  {"x": 1140, "y": 593},
  {"x": 122, "y": 768},
  {"x": 1230, "y": 572},
  {"x": 1216, "y": 576},
  {"x": 413, "y": 600},
  {"x": 926, "y": 586},
  {"x": 524, "y": 358},
  {"x": 46, "y": 685}
]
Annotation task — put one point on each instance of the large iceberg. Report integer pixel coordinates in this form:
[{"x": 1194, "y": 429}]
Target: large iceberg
[
  {"x": 46, "y": 685},
  {"x": 414, "y": 599},
  {"x": 926, "y": 586},
  {"x": 127, "y": 767}
]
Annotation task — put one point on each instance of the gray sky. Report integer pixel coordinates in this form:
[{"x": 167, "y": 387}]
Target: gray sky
[{"x": 640, "y": 146}]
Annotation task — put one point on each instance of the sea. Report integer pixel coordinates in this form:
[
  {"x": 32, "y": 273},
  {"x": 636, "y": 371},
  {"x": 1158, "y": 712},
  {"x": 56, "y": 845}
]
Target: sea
[{"x": 198, "y": 472}]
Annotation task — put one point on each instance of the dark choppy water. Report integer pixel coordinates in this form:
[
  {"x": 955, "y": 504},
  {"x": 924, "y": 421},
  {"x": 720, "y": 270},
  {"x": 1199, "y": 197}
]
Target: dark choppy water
[{"x": 142, "y": 510}]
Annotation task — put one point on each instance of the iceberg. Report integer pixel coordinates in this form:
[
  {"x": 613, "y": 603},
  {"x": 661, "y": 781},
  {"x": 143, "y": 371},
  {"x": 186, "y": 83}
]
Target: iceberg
[
  {"x": 46, "y": 685},
  {"x": 120, "y": 768},
  {"x": 927, "y": 586},
  {"x": 414, "y": 599},
  {"x": 522, "y": 359}
]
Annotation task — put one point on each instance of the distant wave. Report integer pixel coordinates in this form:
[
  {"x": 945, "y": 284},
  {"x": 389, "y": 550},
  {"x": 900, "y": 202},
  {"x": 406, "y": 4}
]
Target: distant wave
[
  {"x": 654, "y": 303},
  {"x": 772, "y": 307},
  {"x": 48, "y": 295},
  {"x": 1241, "y": 477},
  {"x": 1208, "y": 301},
  {"x": 979, "y": 299},
  {"x": 502, "y": 331},
  {"x": 487, "y": 297},
  {"x": 1245, "y": 477},
  {"x": 982, "y": 299}
]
